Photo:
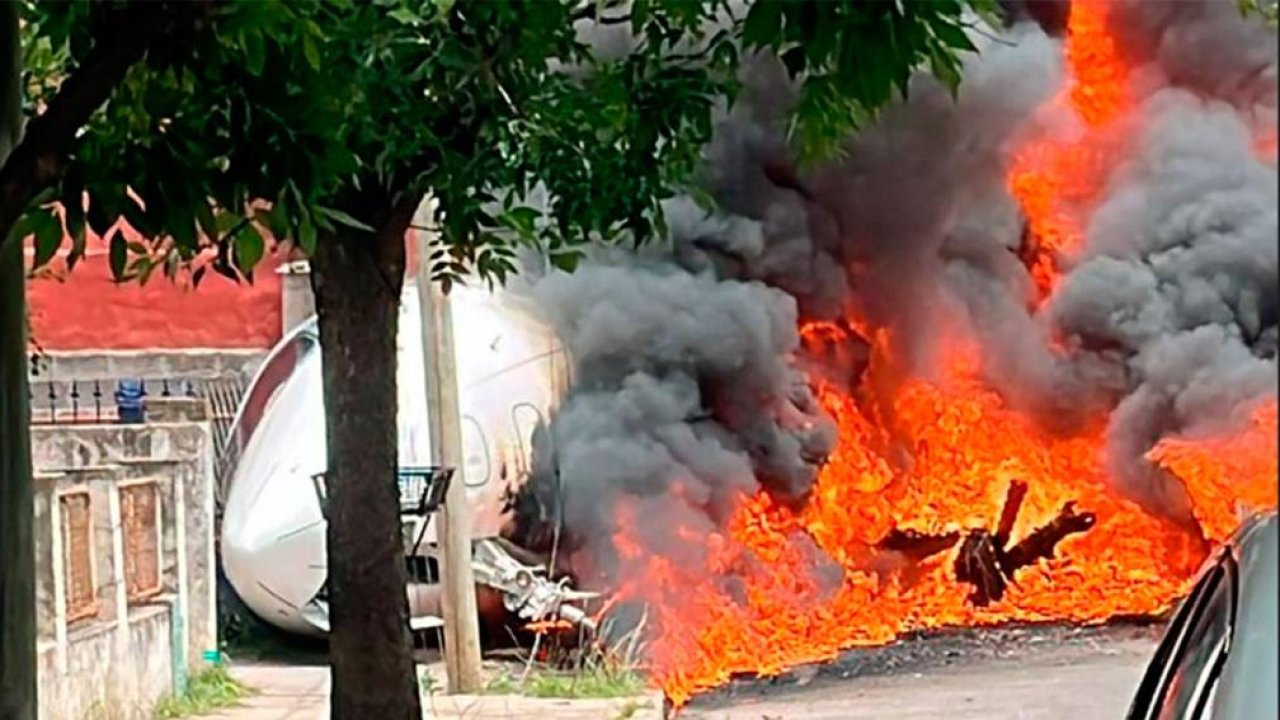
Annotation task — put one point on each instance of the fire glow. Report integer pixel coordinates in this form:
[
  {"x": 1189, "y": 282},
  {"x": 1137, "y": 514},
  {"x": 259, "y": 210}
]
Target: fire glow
[
  {"x": 786, "y": 609},
  {"x": 1054, "y": 179},
  {"x": 776, "y": 587}
]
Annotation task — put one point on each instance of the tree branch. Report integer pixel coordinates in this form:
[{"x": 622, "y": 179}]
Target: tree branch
[{"x": 40, "y": 157}]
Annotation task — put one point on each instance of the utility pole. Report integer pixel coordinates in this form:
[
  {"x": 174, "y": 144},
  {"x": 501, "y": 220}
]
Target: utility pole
[{"x": 453, "y": 529}]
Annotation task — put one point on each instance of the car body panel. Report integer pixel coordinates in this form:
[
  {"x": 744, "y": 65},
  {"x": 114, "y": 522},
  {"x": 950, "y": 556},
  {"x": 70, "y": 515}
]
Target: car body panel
[
  {"x": 1247, "y": 688},
  {"x": 1236, "y": 678}
]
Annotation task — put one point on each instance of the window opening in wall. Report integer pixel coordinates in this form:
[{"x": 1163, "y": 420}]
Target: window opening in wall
[
  {"x": 77, "y": 556},
  {"x": 140, "y": 521}
]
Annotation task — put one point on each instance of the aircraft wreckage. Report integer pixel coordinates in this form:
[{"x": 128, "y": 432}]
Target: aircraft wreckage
[{"x": 273, "y": 523}]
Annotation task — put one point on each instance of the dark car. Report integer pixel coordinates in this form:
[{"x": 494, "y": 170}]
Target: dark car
[{"x": 1217, "y": 658}]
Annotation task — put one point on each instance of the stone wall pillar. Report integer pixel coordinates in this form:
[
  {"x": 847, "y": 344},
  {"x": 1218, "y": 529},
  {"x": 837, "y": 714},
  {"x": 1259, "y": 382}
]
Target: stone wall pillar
[{"x": 296, "y": 301}]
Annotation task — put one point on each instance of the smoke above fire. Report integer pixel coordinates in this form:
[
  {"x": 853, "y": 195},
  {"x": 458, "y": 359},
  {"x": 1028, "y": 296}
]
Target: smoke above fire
[{"x": 1088, "y": 227}]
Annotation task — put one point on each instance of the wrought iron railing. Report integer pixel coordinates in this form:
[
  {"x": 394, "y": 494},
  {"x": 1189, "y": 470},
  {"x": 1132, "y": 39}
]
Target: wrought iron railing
[
  {"x": 57, "y": 402},
  {"x": 96, "y": 401}
]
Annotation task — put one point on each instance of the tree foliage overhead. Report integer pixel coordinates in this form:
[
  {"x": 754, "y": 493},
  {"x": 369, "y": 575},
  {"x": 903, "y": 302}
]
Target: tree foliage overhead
[{"x": 292, "y": 120}]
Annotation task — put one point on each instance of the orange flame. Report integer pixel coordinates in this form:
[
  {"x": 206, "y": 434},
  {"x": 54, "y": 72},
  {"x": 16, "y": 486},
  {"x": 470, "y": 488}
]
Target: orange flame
[
  {"x": 1053, "y": 179},
  {"x": 776, "y": 587},
  {"x": 757, "y": 599},
  {"x": 1266, "y": 146},
  {"x": 1227, "y": 474},
  {"x": 547, "y": 626}
]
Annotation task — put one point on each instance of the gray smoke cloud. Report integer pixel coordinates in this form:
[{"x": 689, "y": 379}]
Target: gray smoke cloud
[
  {"x": 685, "y": 355},
  {"x": 680, "y": 379}
]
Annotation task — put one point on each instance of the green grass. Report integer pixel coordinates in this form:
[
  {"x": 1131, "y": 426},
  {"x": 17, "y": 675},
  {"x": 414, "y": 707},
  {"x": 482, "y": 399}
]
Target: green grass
[
  {"x": 589, "y": 682},
  {"x": 595, "y": 671},
  {"x": 211, "y": 690}
]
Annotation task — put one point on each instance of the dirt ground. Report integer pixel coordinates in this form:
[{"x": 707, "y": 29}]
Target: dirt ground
[{"x": 1027, "y": 673}]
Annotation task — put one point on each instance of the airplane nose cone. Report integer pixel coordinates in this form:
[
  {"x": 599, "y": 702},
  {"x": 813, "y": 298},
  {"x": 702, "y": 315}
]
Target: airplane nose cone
[{"x": 273, "y": 547}]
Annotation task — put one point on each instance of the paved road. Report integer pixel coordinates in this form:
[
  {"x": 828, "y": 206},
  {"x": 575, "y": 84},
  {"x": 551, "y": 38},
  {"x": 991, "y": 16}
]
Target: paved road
[
  {"x": 1088, "y": 676},
  {"x": 1046, "y": 673}
]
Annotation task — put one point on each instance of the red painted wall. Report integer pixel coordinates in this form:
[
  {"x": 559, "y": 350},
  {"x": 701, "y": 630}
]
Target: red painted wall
[{"x": 85, "y": 310}]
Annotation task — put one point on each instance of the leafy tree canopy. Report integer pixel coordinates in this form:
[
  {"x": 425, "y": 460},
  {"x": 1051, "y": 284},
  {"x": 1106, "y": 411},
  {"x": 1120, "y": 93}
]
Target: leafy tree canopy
[{"x": 304, "y": 118}]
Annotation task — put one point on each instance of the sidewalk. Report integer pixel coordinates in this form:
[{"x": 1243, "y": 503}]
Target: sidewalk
[{"x": 299, "y": 692}]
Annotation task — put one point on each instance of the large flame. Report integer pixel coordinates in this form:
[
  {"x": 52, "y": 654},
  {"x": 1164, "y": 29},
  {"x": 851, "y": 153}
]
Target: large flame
[
  {"x": 1230, "y": 476},
  {"x": 1055, "y": 179},
  {"x": 761, "y": 598},
  {"x": 776, "y": 587}
]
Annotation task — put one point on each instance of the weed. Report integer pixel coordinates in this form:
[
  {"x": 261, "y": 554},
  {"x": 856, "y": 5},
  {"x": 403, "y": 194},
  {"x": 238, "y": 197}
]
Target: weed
[
  {"x": 595, "y": 682},
  {"x": 630, "y": 708},
  {"x": 206, "y": 692},
  {"x": 427, "y": 683},
  {"x": 502, "y": 684},
  {"x": 591, "y": 671}
]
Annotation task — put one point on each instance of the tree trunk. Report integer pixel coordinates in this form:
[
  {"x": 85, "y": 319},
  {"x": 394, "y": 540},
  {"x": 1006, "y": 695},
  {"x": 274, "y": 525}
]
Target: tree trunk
[
  {"x": 357, "y": 282},
  {"x": 17, "y": 552}
]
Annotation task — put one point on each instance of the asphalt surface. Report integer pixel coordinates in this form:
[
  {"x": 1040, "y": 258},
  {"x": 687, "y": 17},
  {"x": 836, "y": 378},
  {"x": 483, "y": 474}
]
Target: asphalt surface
[{"x": 1018, "y": 673}]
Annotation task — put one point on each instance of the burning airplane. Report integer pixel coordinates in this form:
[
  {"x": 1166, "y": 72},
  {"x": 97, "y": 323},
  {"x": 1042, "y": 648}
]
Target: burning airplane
[{"x": 1011, "y": 359}]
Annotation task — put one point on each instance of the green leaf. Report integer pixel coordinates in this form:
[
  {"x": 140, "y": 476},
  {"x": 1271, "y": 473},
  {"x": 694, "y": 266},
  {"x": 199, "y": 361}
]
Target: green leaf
[
  {"x": 306, "y": 234},
  {"x": 137, "y": 219},
  {"x": 567, "y": 261},
  {"x": 763, "y": 25},
  {"x": 311, "y": 53},
  {"x": 48, "y": 237},
  {"x": 204, "y": 216},
  {"x": 405, "y": 16},
  {"x": 344, "y": 219},
  {"x": 275, "y": 220},
  {"x": 117, "y": 254},
  {"x": 77, "y": 249},
  {"x": 225, "y": 223},
  {"x": 249, "y": 247},
  {"x": 183, "y": 231},
  {"x": 520, "y": 219},
  {"x": 794, "y": 59},
  {"x": 99, "y": 220},
  {"x": 952, "y": 35},
  {"x": 73, "y": 211},
  {"x": 945, "y": 68},
  {"x": 255, "y": 52}
]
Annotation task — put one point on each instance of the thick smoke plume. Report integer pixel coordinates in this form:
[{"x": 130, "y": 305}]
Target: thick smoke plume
[{"x": 689, "y": 376}]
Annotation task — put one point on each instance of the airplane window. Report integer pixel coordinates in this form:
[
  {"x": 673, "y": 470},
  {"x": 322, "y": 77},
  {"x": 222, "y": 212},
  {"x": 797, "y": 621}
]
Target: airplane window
[
  {"x": 475, "y": 443},
  {"x": 526, "y": 417},
  {"x": 1207, "y": 638}
]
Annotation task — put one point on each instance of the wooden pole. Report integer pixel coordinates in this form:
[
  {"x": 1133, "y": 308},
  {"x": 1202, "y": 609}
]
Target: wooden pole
[
  {"x": 17, "y": 505},
  {"x": 453, "y": 531}
]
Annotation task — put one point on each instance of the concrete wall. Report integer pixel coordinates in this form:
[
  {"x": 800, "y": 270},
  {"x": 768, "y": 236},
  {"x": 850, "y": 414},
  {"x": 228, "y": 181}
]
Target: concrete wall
[
  {"x": 110, "y": 365},
  {"x": 106, "y": 674},
  {"x": 119, "y": 663},
  {"x": 297, "y": 302}
]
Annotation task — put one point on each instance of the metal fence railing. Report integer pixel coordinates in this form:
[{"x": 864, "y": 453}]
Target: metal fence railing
[
  {"x": 223, "y": 398},
  {"x": 55, "y": 402},
  {"x": 121, "y": 400}
]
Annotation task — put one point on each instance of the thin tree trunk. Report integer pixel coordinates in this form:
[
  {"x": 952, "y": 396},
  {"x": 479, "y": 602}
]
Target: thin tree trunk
[
  {"x": 357, "y": 284},
  {"x": 17, "y": 551}
]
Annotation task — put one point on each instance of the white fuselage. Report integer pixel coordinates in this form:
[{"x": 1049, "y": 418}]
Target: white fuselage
[{"x": 510, "y": 373}]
